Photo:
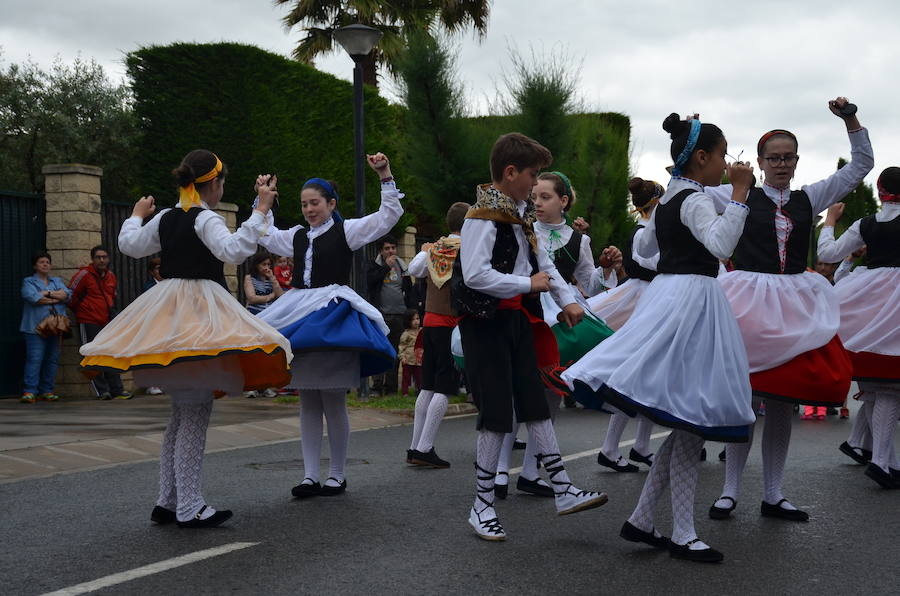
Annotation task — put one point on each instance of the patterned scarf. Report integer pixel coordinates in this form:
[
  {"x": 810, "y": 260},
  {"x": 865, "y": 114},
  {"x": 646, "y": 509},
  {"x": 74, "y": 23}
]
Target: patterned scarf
[
  {"x": 493, "y": 205},
  {"x": 440, "y": 260}
]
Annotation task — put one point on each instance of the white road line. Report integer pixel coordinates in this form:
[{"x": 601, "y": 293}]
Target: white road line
[
  {"x": 581, "y": 454},
  {"x": 76, "y": 453},
  {"x": 125, "y": 576},
  {"x": 28, "y": 461}
]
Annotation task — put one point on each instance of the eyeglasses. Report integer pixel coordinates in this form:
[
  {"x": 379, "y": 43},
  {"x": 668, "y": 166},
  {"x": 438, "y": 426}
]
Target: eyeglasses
[
  {"x": 789, "y": 160},
  {"x": 733, "y": 158}
]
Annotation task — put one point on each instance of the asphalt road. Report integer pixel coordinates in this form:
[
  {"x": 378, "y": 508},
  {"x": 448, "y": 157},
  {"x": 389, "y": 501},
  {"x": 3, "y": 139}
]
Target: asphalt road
[{"x": 402, "y": 530}]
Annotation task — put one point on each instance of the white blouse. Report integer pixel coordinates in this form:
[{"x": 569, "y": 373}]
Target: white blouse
[
  {"x": 831, "y": 250},
  {"x": 589, "y": 277}
]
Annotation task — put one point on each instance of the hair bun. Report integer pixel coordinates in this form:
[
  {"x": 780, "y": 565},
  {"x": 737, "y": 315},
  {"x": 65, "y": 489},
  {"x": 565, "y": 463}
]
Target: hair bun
[
  {"x": 184, "y": 174},
  {"x": 635, "y": 185},
  {"x": 674, "y": 125}
]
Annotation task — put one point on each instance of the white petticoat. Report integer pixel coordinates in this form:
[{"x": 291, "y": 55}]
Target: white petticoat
[
  {"x": 870, "y": 310},
  {"x": 297, "y": 303},
  {"x": 616, "y": 306},
  {"x": 681, "y": 352},
  {"x": 781, "y": 316}
]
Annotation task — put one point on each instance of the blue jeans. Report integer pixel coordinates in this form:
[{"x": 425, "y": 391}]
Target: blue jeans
[{"x": 41, "y": 362}]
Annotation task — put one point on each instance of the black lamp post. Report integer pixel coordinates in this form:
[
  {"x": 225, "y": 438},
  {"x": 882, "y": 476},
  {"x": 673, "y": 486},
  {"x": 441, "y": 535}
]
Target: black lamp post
[{"x": 359, "y": 41}]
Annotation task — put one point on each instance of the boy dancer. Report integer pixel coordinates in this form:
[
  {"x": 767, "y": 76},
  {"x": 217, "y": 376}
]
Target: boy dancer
[
  {"x": 439, "y": 377},
  {"x": 502, "y": 270}
]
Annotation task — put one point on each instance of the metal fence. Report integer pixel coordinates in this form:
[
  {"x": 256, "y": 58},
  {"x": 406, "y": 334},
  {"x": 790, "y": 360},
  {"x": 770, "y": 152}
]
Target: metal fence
[
  {"x": 23, "y": 232},
  {"x": 131, "y": 274}
]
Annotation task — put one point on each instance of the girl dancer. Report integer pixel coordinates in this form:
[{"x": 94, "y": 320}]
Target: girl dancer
[
  {"x": 788, "y": 317},
  {"x": 187, "y": 333},
  {"x": 870, "y": 316},
  {"x": 338, "y": 337},
  {"x": 616, "y": 307},
  {"x": 679, "y": 359}
]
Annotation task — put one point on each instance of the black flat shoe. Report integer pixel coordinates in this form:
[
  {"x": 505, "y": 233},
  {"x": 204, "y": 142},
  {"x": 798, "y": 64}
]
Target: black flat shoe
[
  {"x": 613, "y": 465},
  {"x": 517, "y": 444},
  {"x": 501, "y": 490},
  {"x": 722, "y": 455},
  {"x": 533, "y": 487},
  {"x": 304, "y": 490},
  {"x": 330, "y": 491},
  {"x": 722, "y": 512},
  {"x": 212, "y": 521},
  {"x": 162, "y": 516},
  {"x": 429, "y": 459},
  {"x": 703, "y": 454},
  {"x": 683, "y": 551},
  {"x": 643, "y": 459},
  {"x": 633, "y": 534},
  {"x": 885, "y": 479},
  {"x": 409, "y": 456},
  {"x": 856, "y": 454},
  {"x": 776, "y": 510}
]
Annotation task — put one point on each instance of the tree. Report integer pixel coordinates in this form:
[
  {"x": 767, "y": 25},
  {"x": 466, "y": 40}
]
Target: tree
[
  {"x": 397, "y": 19},
  {"x": 64, "y": 115}
]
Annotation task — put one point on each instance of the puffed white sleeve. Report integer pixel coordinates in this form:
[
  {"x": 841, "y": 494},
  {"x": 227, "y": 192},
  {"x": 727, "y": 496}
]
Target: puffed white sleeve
[
  {"x": 370, "y": 228},
  {"x": 720, "y": 195},
  {"x": 418, "y": 267},
  {"x": 718, "y": 233},
  {"x": 136, "y": 240},
  {"x": 230, "y": 247},
  {"x": 560, "y": 289},
  {"x": 644, "y": 243},
  {"x": 477, "y": 243},
  {"x": 830, "y": 250},
  {"x": 824, "y": 193}
]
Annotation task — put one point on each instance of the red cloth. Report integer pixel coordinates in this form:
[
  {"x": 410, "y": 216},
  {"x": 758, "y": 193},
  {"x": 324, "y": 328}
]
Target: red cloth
[
  {"x": 433, "y": 319},
  {"x": 820, "y": 377},
  {"x": 545, "y": 346},
  {"x": 868, "y": 366},
  {"x": 92, "y": 295},
  {"x": 284, "y": 275}
]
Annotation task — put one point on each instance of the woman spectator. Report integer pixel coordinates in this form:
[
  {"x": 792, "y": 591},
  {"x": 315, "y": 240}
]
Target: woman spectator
[
  {"x": 40, "y": 293},
  {"x": 260, "y": 286}
]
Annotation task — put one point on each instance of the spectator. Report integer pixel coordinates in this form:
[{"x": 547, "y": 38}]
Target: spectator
[
  {"x": 40, "y": 292},
  {"x": 260, "y": 286},
  {"x": 284, "y": 272},
  {"x": 826, "y": 270},
  {"x": 389, "y": 291},
  {"x": 153, "y": 266},
  {"x": 410, "y": 352},
  {"x": 93, "y": 295}
]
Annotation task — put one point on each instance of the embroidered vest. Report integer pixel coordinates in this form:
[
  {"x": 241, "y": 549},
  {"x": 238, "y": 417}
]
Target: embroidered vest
[
  {"x": 757, "y": 250},
  {"x": 882, "y": 240},
  {"x": 183, "y": 255},
  {"x": 566, "y": 258},
  {"x": 679, "y": 251},
  {"x": 332, "y": 258},
  {"x": 631, "y": 267}
]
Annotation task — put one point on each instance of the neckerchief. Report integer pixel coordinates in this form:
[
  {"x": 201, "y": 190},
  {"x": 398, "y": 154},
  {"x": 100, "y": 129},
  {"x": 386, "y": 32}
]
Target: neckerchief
[
  {"x": 493, "y": 205},
  {"x": 441, "y": 258}
]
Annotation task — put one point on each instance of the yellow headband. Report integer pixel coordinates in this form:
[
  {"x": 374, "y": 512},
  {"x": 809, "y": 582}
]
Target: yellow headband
[{"x": 188, "y": 195}]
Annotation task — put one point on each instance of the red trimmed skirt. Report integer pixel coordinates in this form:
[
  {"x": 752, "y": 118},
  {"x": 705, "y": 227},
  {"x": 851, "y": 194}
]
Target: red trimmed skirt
[
  {"x": 820, "y": 377},
  {"x": 875, "y": 368}
]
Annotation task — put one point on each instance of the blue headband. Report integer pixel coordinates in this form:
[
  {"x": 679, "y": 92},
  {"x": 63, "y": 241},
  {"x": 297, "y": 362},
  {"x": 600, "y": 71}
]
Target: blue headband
[
  {"x": 685, "y": 154},
  {"x": 329, "y": 190}
]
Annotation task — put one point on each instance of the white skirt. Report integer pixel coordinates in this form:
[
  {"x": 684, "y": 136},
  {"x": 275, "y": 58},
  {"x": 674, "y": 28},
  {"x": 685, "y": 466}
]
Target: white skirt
[
  {"x": 679, "y": 358},
  {"x": 297, "y": 303},
  {"x": 870, "y": 310},
  {"x": 781, "y": 316},
  {"x": 616, "y": 306}
]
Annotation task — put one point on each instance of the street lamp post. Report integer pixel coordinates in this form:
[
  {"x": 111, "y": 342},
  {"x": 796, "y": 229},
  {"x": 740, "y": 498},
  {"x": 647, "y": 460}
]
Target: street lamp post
[{"x": 359, "y": 41}]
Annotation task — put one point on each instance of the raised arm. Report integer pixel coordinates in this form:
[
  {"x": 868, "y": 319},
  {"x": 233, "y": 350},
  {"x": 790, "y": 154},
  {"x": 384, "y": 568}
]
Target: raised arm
[
  {"x": 135, "y": 239},
  {"x": 418, "y": 267},
  {"x": 230, "y": 247},
  {"x": 720, "y": 233},
  {"x": 831, "y": 250}
]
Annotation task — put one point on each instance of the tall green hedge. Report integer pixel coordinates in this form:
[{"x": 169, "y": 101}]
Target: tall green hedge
[{"x": 260, "y": 113}]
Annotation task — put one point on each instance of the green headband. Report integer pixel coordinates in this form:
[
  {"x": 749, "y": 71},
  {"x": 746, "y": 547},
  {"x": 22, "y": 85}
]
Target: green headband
[{"x": 566, "y": 183}]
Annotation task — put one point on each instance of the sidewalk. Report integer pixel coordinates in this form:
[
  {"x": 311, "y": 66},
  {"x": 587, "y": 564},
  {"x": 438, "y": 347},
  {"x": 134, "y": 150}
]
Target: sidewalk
[{"x": 72, "y": 435}]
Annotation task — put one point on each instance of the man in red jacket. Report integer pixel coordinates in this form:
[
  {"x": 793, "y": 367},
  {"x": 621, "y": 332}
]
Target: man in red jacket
[{"x": 93, "y": 295}]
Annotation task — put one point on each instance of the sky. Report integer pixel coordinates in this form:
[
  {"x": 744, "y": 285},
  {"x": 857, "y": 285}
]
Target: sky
[{"x": 748, "y": 67}]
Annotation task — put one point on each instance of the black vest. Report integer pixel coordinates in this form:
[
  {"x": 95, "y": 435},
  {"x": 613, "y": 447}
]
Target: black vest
[
  {"x": 882, "y": 240},
  {"x": 566, "y": 258},
  {"x": 631, "y": 267},
  {"x": 757, "y": 250},
  {"x": 679, "y": 251},
  {"x": 183, "y": 255},
  {"x": 332, "y": 258},
  {"x": 466, "y": 301}
]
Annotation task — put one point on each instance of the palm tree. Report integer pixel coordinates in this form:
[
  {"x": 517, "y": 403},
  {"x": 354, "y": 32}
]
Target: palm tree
[{"x": 319, "y": 18}]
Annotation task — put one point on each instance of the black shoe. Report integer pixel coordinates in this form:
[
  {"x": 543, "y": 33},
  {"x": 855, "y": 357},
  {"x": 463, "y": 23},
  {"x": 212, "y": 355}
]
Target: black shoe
[
  {"x": 857, "y": 454},
  {"x": 162, "y": 516},
  {"x": 429, "y": 458},
  {"x": 722, "y": 512},
  {"x": 722, "y": 455},
  {"x": 409, "y": 454},
  {"x": 644, "y": 459},
  {"x": 569, "y": 402},
  {"x": 517, "y": 444},
  {"x": 212, "y": 521},
  {"x": 831, "y": 411},
  {"x": 501, "y": 490},
  {"x": 614, "y": 465},
  {"x": 302, "y": 491},
  {"x": 105, "y": 396},
  {"x": 703, "y": 454},
  {"x": 776, "y": 510},
  {"x": 683, "y": 551},
  {"x": 330, "y": 491},
  {"x": 533, "y": 487},
  {"x": 633, "y": 534},
  {"x": 885, "y": 479}
]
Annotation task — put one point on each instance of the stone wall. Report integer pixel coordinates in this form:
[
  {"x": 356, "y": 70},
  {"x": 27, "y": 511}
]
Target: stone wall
[
  {"x": 407, "y": 248},
  {"x": 229, "y": 212}
]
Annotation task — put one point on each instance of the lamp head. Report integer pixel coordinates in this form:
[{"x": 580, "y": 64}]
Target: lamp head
[{"x": 357, "y": 40}]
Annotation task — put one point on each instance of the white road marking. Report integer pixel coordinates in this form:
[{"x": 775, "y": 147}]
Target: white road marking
[
  {"x": 125, "y": 576},
  {"x": 581, "y": 454},
  {"x": 76, "y": 453}
]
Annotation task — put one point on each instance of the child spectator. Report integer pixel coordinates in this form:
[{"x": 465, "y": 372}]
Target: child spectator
[
  {"x": 284, "y": 272},
  {"x": 410, "y": 352}
]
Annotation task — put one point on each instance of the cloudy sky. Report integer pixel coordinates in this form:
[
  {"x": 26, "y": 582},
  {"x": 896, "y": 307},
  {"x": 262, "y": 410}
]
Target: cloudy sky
[{"x": 748, "y": 67}]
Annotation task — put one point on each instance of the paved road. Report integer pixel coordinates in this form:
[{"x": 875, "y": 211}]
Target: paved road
[{"x": 403, "y": 530}]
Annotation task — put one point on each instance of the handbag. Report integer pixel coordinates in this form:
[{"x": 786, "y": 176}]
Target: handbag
[{"x": 53, "y": 324}]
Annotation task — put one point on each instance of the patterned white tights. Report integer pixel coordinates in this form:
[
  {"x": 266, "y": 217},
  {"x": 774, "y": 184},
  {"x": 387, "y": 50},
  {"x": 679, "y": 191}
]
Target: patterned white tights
[{"x": 181, "y": 458}]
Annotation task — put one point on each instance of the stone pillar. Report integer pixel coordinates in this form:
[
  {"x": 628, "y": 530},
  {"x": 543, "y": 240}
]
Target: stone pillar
[
  {"x": 407, "y": 249},
  {"x": 72, "y": 194},
  {"x": 229, "y": 212}
]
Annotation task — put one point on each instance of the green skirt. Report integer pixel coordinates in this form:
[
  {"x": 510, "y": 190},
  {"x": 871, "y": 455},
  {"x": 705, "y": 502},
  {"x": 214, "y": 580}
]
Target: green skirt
[{"x": 575, "y": 342}]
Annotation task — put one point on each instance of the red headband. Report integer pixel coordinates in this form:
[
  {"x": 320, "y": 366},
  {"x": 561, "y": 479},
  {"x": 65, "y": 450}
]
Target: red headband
[
  {"x": 884, "y": 195},
  {"x": 772, "y": 133}
]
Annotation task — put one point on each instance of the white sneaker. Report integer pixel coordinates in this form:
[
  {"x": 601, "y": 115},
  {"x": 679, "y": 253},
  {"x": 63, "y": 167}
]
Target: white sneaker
[
  {"x": 573, "y": 500},
  {"x": 486, "y": 524},
  {"x": 154, "y": 391},
  {"x": 270, "y": 393}
]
